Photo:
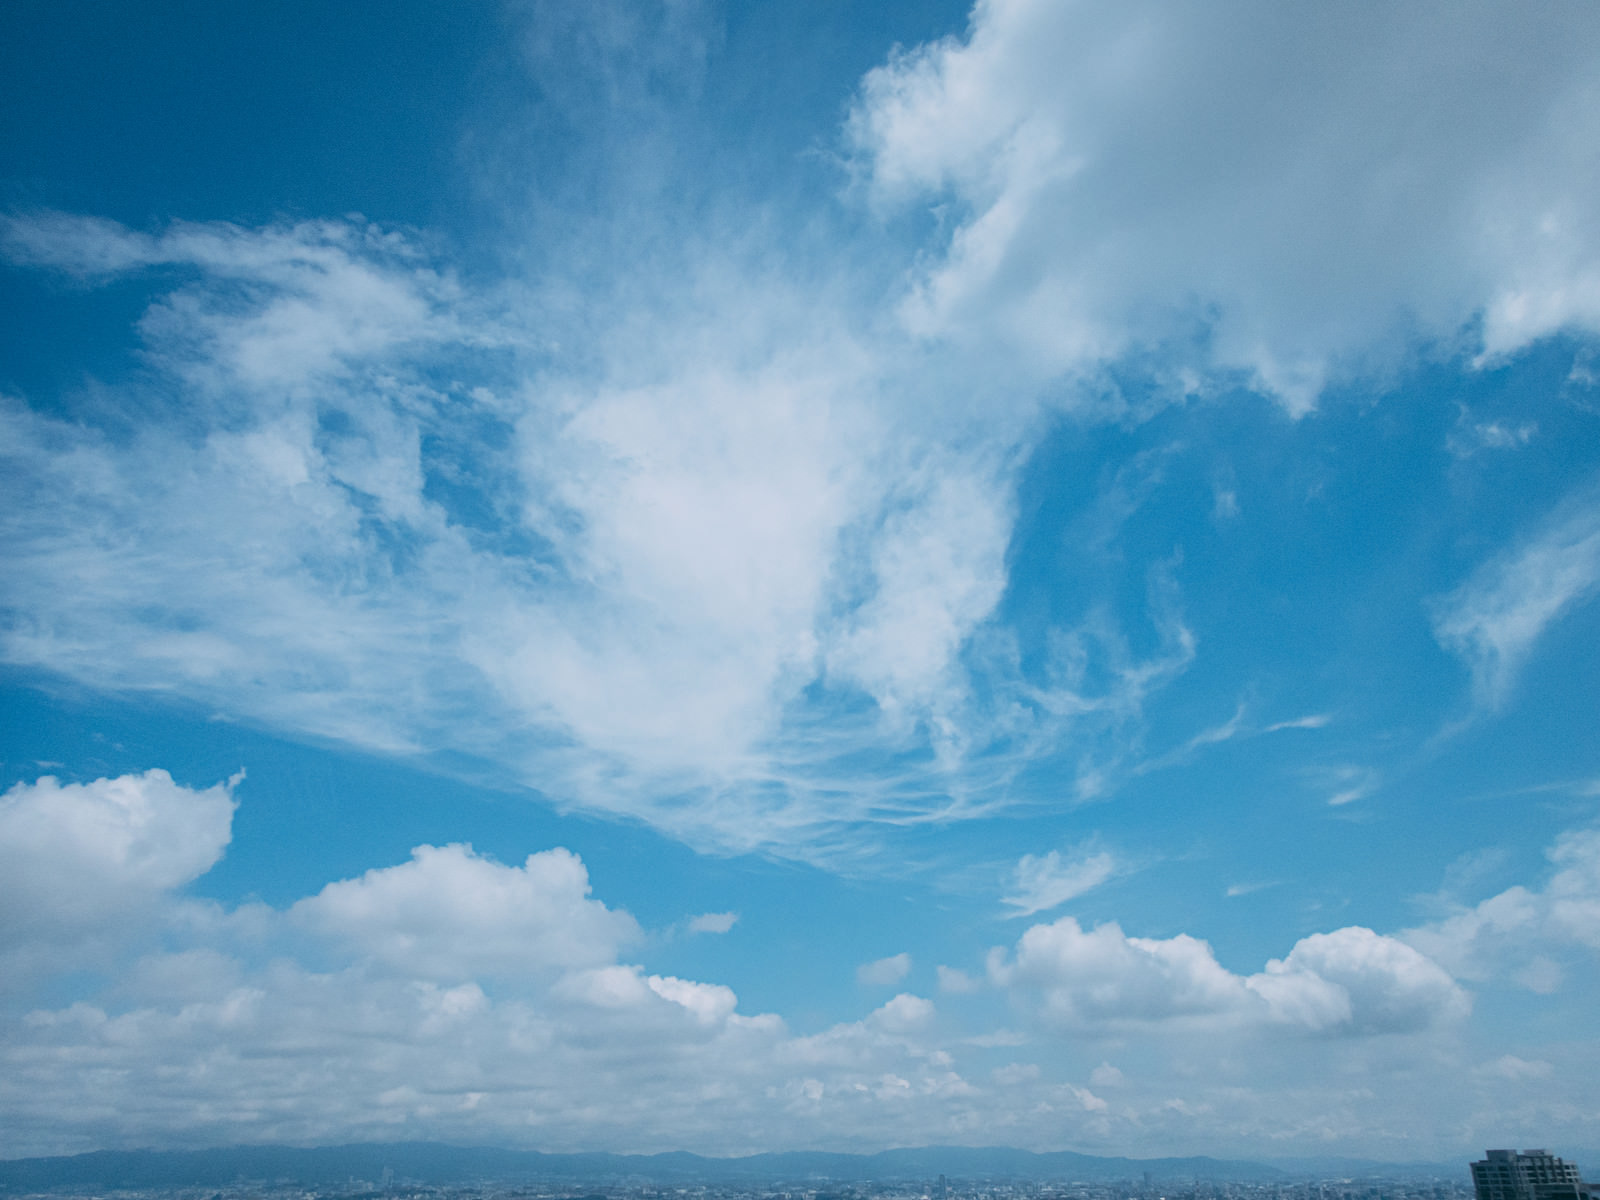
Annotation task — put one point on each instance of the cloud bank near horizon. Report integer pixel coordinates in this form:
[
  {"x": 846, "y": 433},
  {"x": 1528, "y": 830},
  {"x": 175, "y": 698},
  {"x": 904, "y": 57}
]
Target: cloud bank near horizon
[{"x": 452, "y": 996}]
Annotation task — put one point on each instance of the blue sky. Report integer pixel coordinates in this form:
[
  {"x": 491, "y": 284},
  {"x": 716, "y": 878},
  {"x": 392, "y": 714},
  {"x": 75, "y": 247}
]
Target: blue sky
[{"x": 693, "y": 576}]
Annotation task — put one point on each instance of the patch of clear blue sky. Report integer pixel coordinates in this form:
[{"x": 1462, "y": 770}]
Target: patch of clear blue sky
[
  {"x": 461, "y": 120},
  {"x": 1303, "y": 603}
]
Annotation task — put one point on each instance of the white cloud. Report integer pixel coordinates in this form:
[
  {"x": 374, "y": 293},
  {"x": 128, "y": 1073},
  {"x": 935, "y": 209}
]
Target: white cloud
[
  {"x": 1349, "y": 784},
  {"x": 904, "y": 1014},
  {"x": 1314, "y": 721},
  {"x": 1472, "y": 436},
  {"x": 956, "y": 982},
  {"x": 709, "y": 1002},
  {"x": 1123, "y": 179},
  {"x": 88, "y": 862},
  {"x": 884, "y": 972},
  {"x": 1105, "y": 1075},
  {"x": 334, "y": 294},
  {"x": 1101, "y": 976},
  {"x": 1350, "y": 981},
  {"x": 1235, "y": 890},
  {"x": 713, "y": 922},
  {"x": 1496, "y": 617},
  {"x": 939, "y": 567},
  {"x": 1354, "y": 980},
  {"x": 683, "y": 551},
  {"x": 451, "y": 914},
  {"x": 1045, "y": 882},
  {"x": 1515, "y": 933},
  {"x": 1014, "y": 1073},
  {"x": 704, "y": 576},
  {"x": 453, "y": 997},
  {"x": 1509, "y": 1066}
]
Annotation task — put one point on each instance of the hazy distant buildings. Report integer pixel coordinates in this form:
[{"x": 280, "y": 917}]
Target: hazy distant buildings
[{"x": 1531, "y": 1175}]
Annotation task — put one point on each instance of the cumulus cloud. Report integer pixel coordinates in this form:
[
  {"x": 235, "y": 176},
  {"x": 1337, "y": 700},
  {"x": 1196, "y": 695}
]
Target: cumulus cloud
[
  {"x": 450, "y": 913},
  {"x": 1354, "y": 980},
  {"x": 1102, "y": 976},
  {"x": 1351, "y": 981},
  {"x": 1496, "y": 617},
  {"x": 1155, "y": 176},
  {"x": 904, "y": 1014},
  {"x": 884, "y": 972},
  {"x": 84, "y": 862},
  {"x": 451, "y": 996},
  {"x": 1046, "y": 882},
  {"x": 1515, "y": 933}
]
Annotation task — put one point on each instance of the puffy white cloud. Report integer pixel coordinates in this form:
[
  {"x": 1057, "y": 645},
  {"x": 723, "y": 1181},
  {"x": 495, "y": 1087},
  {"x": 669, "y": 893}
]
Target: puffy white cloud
[
  {"x": 1101, "y": 976},
  {"x": 904, "y": 1014},
  {"x": 600, "y": 1056},
  {"x": 1045, "y": 882},
  {"x": 1307, "y": 187},
  {"x": 884, "y": 972},
  {"x": 456, "y": 997},
  {"x": 84, "y": 861},
  {"x": 450, "y": 913},
  {"x": 1514, "y": 933},
  {"x": 452, "y": 994},
  {"x": 709, "y": 1002},
  {"x": 1355, "y": 980},
  {"x": 1351, "y": 981}
]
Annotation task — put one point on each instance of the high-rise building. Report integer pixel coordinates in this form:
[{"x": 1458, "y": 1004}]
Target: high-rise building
[{"x": 1530, "y": 1175}]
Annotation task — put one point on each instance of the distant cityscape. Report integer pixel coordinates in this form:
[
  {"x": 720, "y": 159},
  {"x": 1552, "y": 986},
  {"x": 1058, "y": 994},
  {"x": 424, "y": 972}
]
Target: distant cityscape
[{"x": 1500, "y": 1175}]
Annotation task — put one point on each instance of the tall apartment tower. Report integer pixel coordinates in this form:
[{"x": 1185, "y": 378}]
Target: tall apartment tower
[{"x": 1531, "y": 1175}]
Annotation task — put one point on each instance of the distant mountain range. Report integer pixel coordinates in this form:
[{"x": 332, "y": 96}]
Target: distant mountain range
[{"x": 427, "y": 1162}]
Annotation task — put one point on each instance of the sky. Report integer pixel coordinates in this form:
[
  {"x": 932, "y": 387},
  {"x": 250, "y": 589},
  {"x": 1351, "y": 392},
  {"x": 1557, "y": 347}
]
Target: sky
[{"x": 740, "y": 577}]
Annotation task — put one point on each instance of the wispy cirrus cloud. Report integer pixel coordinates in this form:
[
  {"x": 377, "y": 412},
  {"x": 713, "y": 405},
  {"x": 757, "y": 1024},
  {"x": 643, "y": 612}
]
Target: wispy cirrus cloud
[
  {"x": 713, "y": 922},
  {"x": 1497, "y": 616},
  {"x": 728, "y": 585},
  {"x": 723, "y": 547},
  {"x": 1042, "y": 882}
]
